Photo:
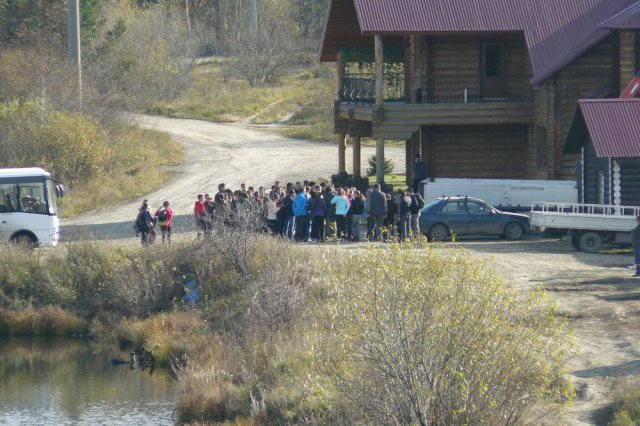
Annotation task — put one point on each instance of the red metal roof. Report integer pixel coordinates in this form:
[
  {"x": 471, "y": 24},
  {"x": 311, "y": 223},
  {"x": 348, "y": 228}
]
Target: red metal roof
[
  {"x": 613, "y": 126},
  {"x": 556, "y": 31},
  {"x": 629, "y": 18}
]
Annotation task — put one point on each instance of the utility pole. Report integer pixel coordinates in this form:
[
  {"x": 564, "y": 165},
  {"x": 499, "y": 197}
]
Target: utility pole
[
  {"x": 253, "y": 16},
  {"x": 73, "y": 40}
]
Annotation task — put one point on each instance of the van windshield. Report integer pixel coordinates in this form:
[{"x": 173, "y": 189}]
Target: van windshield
[{"x": 51, "y": 197}]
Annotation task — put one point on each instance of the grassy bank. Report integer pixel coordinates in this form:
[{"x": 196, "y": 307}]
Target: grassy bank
[
  {"x": 301, "y": 105},
  {"x": 289, "y": 335},
  {"x": 139, "y": 165}
]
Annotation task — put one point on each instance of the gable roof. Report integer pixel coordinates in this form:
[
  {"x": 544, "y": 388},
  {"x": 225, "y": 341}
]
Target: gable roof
[
  {"x": 628, "y": 18},
  {"x": 612, "y": 125},
  {"x": 556, "y": 31}
]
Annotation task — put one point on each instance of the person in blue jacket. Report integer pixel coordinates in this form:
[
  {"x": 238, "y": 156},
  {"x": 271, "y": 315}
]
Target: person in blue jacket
[
  {"x": 301, "y": 215},
  {"x": 342, "y": 208}
]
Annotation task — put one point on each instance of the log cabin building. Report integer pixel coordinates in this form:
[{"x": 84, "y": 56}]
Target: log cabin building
[
  {"x": 606, "y": 137},
  {"x": 479, "y": 88}
]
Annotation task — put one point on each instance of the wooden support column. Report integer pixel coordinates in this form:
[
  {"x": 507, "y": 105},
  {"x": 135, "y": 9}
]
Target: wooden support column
[
  {"x": 340, "y": 67},
  {"x": 356, "y": 156},
  {"x": 379, "y": 102},
  {"x": 424, "y": 147},
  {"x": 342, "y": 152},
  {"x": 408, "y": 152}
]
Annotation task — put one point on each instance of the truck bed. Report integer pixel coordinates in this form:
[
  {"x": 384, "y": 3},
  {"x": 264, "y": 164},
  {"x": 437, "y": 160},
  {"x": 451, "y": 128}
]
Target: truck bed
[{"x": 574, "y": 216}]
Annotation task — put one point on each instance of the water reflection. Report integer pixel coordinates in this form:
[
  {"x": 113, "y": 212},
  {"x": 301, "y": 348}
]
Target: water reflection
[{"x": 69, "y": 382}]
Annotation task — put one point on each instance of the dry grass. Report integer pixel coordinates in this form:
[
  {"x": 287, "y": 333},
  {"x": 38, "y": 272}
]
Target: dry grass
[
  {"x": 302, "y": 103},
  {"x": 46, "y": 321},
  {"x": 167, "y": 334},
  {"x": 139, "y": 166}
]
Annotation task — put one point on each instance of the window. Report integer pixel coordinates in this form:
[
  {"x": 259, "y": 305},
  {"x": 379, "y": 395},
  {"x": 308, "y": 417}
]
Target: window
[
  {"x": 454, "y": 207},
  {"x": 492, "y": 60},
  {"x": 8, "y": 197},
  {"x": 477, "y": 208},
  {"x": 541, "y": 147}
]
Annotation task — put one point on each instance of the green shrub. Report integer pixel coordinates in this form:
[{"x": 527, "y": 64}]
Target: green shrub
[
  {"x": 436, "y": 338},
  {"x": 626, "y": 403},
  {"x": 373, "y": 166}
]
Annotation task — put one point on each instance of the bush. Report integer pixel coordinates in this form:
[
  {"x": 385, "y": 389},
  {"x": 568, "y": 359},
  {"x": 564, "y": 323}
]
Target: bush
[
  {"x": 438, "y": 339},
  {"x": 72, "y": 146},
  {"x": 626, "y": 403}
]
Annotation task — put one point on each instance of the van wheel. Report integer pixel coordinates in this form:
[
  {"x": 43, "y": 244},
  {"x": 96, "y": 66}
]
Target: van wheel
[
  {"x": 513, "y": 231},
  {"x": 24, "y": 240},
  {"x": 590, "y": 242},
  {"x": 438, "y": 232}
]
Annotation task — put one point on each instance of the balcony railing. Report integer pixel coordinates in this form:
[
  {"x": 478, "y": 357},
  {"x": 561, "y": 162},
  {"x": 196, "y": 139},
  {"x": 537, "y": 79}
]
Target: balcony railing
[{"x": 360, "y": 88}]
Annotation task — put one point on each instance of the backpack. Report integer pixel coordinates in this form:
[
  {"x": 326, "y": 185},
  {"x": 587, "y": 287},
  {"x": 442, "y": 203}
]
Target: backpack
[
  {"x": 141, "y": 220},
  {"x": 162, "y": 216}
]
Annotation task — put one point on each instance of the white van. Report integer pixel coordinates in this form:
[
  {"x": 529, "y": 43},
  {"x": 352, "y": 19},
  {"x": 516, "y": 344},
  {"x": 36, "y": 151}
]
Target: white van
[
  {"x": 504, "y": 194},
  {"x": 28, "y": 212}
]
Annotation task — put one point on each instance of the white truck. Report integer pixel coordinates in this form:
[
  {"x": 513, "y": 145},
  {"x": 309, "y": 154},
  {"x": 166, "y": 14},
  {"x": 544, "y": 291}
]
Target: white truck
[
  {"x": 504, "y": 194},
  {"x": 588, "y": 225}
]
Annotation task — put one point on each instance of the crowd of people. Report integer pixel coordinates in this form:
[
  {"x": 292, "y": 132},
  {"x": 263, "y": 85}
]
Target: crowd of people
[{"x": 301, "y": 211}]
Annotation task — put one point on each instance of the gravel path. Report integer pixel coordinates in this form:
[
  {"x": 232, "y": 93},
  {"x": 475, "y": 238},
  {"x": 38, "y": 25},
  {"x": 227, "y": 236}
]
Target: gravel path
[{"x": 214, "y": 153}]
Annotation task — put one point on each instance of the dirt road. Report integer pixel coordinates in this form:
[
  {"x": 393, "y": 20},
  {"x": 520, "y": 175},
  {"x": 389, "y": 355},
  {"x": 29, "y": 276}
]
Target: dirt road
[
  {"x": 601, "y": 300},
  {"x": 214, "y": 153}
]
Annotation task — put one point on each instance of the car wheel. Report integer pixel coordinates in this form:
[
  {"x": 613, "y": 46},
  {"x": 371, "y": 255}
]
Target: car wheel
[
  {"x": 513, "y": 231},
  {"x": 590, "y": 242},
  {"x": 438, "y": 232}
]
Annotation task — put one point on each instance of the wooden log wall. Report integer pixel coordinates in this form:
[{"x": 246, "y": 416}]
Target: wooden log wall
[
  {"x": 627, "y": 58},
  {"x": 457, "y": 57},
  {"x": 594, "y": 168},
  {"x": 582, "y": 79},
  {"x": 544, "y": 118},
  {"x": 492, "y": 152},
  {"x": 630, "y": 181}
]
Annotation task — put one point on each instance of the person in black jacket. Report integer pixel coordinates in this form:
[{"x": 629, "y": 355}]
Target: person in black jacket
[
  {"x": 357, "y": 209},
  {"x": 636, "y": 246},
  {"x": 391, "y": 219},
  {"x": 144, "y": 223}
]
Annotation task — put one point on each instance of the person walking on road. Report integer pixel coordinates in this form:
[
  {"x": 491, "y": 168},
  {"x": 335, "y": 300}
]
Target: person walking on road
[
  {"x": 200, "y": 213},
  {"x": 164, "y": 216},
  {"x": 636, "y": 246},
  {"x": 144, "y": 223}
]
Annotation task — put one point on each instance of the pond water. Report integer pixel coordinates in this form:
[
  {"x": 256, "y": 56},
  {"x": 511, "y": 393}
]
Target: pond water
[{"x": 70, "y": 382}]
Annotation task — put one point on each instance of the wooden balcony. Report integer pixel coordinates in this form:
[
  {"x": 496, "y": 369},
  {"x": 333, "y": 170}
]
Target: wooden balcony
[{"x": 435, "y": 102}]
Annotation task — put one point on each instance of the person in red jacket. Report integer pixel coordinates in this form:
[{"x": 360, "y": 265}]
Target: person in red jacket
[
  {"x": 164, "y": 215},
  {"x": 200, "y": 213}
]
